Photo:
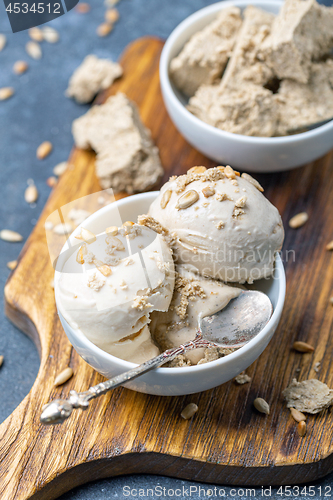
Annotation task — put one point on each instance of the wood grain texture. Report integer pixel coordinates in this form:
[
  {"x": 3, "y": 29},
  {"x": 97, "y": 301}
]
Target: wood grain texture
[{"x": 227, "y": 441}]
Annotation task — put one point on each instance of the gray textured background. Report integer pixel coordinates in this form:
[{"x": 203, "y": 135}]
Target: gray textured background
[{"x": 39, "y": 111}]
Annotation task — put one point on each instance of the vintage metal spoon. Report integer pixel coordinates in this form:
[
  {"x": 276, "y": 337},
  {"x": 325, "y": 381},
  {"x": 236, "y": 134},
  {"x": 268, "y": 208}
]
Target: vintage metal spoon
[{"x": 234, "y": 326}]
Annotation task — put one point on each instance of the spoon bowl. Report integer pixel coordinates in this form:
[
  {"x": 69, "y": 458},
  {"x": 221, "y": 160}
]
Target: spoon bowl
[{"x": 239, "y": 322}]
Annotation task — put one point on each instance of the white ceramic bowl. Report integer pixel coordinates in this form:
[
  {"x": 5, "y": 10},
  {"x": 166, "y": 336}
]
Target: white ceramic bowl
[
  {"x": 170, "y": 381},
  {"x": 255, "y": 154}
]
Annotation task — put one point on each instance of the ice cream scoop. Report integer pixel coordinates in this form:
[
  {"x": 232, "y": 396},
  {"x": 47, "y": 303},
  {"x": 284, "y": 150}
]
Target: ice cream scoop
[
  {"x": 110, "y": 284},
  {"x": 223, "y": 226}
]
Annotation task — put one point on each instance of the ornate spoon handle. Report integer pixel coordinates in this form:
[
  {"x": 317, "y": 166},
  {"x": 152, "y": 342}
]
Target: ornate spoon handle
[{"x": 60, "y": 409}]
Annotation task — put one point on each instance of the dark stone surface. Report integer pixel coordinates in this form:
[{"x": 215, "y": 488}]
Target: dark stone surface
[{"x": 37, "y": 112}]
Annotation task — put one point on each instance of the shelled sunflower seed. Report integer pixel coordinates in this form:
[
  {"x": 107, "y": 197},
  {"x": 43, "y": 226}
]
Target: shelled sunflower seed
[
  {"x": 298, "y": 220},
  {"x": 20, "y": 67},
  {"x": 111, "y": 16},
  {"x": 34, "y": 50},
  {"x": 12, "y": 264},
  {"x": 11, "y": 236},
  {"x": 65, "y": 375},
  {"x": 329, "y": 245},
  {"x": 36, "y": 34},
  {"x": 298, "y": 416},
  {"x": 50, "y": 34},
  {"x": 82, "y": 8},
  {"x": 44, "y": 150},
  {"x": 104, "y": 29},
  {"x": 302, "y": 346},
  {"x": 6, "y": 93},
  {"x": 301, "y": 428},
  {"x": 3, "y": 41},
  {"x": 31, "y": 194},
  {"x": 60, "y": 168}
]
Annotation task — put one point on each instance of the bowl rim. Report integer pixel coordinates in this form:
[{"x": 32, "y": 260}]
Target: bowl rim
[
  {"x": 127, "y": 365},
  {"x": 167, "y": 87}
]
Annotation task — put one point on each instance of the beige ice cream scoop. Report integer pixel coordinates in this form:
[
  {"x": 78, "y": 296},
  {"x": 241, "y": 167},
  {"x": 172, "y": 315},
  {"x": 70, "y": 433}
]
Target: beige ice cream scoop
[
  {"x": 109, "y": 286},
  {"x": 223, "y": 226}
]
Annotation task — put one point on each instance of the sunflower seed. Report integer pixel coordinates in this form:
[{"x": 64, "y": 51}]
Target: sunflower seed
[
  {"x": 20, "y": 67},
  {"x": 86, "y": 236},
  {"x": 253, "y": 181},
  {"x": 51, "y": 181},
  {"x": 50, "y": 34},
  {"x": 114, "y": 242},
  {"x": 104, "y": 29},
  {"x": 36, "y": 34},
  {"x": 165, "y": 198},
  {"x": 197, "y": 170},
  {"x": 329, "y": 245},
  {"x": 111, "y": 16},
  {"x": 12, "y": 264},
  {"x": 3, "y": 41},
  {"x": 65, "y": 375},
  {"x": 302, "y": 346},
  {"x": 261, "y": 405},
  {"x": 187, "y": 199},
  {"x": 60, "y": 168},
  {"x": 298, "y": 220},
  {"x": 82, "y": 8},
  {"x": 103, "y": 268},
  {"x": 6, "y": 93},
  {"x": 297, "y": 415},
  {"x": 112, "y": 230},
  {"x": 1, "y": 360},
  {"x": 9, "y": 235},
  {"x": 189, "y": 411},
  {"x": 44, "y": 150},
  {"x": 63, "y": 229},
  {"x": 33, "y": 50},
  {"x": 208, "y": 191},
  {"x": 229, "y": 172},
  {"x": 81, "y": 254},
  {"x": 301, "y": 428},
  {"x": 31, "y": 194}
]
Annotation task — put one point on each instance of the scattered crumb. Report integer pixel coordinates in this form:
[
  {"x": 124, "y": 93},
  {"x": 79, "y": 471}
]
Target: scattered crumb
[{"x": 242, "y": 378}]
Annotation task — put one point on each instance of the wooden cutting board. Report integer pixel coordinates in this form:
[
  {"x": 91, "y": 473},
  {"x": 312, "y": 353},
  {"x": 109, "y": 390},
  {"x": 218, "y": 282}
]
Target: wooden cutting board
[{"x": 124, "y": 432}]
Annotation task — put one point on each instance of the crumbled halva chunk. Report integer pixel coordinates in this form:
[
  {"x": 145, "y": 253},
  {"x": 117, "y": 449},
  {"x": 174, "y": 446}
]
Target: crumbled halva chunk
[
  {"x": 309, "y": 396},
  {"x": 127, "y": 159},
  {"x": 92, "y": 76},
  {"x": 205, "y": 55}
]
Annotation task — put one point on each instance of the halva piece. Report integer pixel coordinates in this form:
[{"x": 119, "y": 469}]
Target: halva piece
[
  {"x": 301, "y": 104},
  {"x": 91, "y": 76},
  {"x": 127, "y": 159},
  {"x": 248, "y": 109},
  {"x": 244, "y": 65},
  {"x": 309, "y": 396},
  {"x": 302, "y": 32},
  {"x": 204, "y": 57}
]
